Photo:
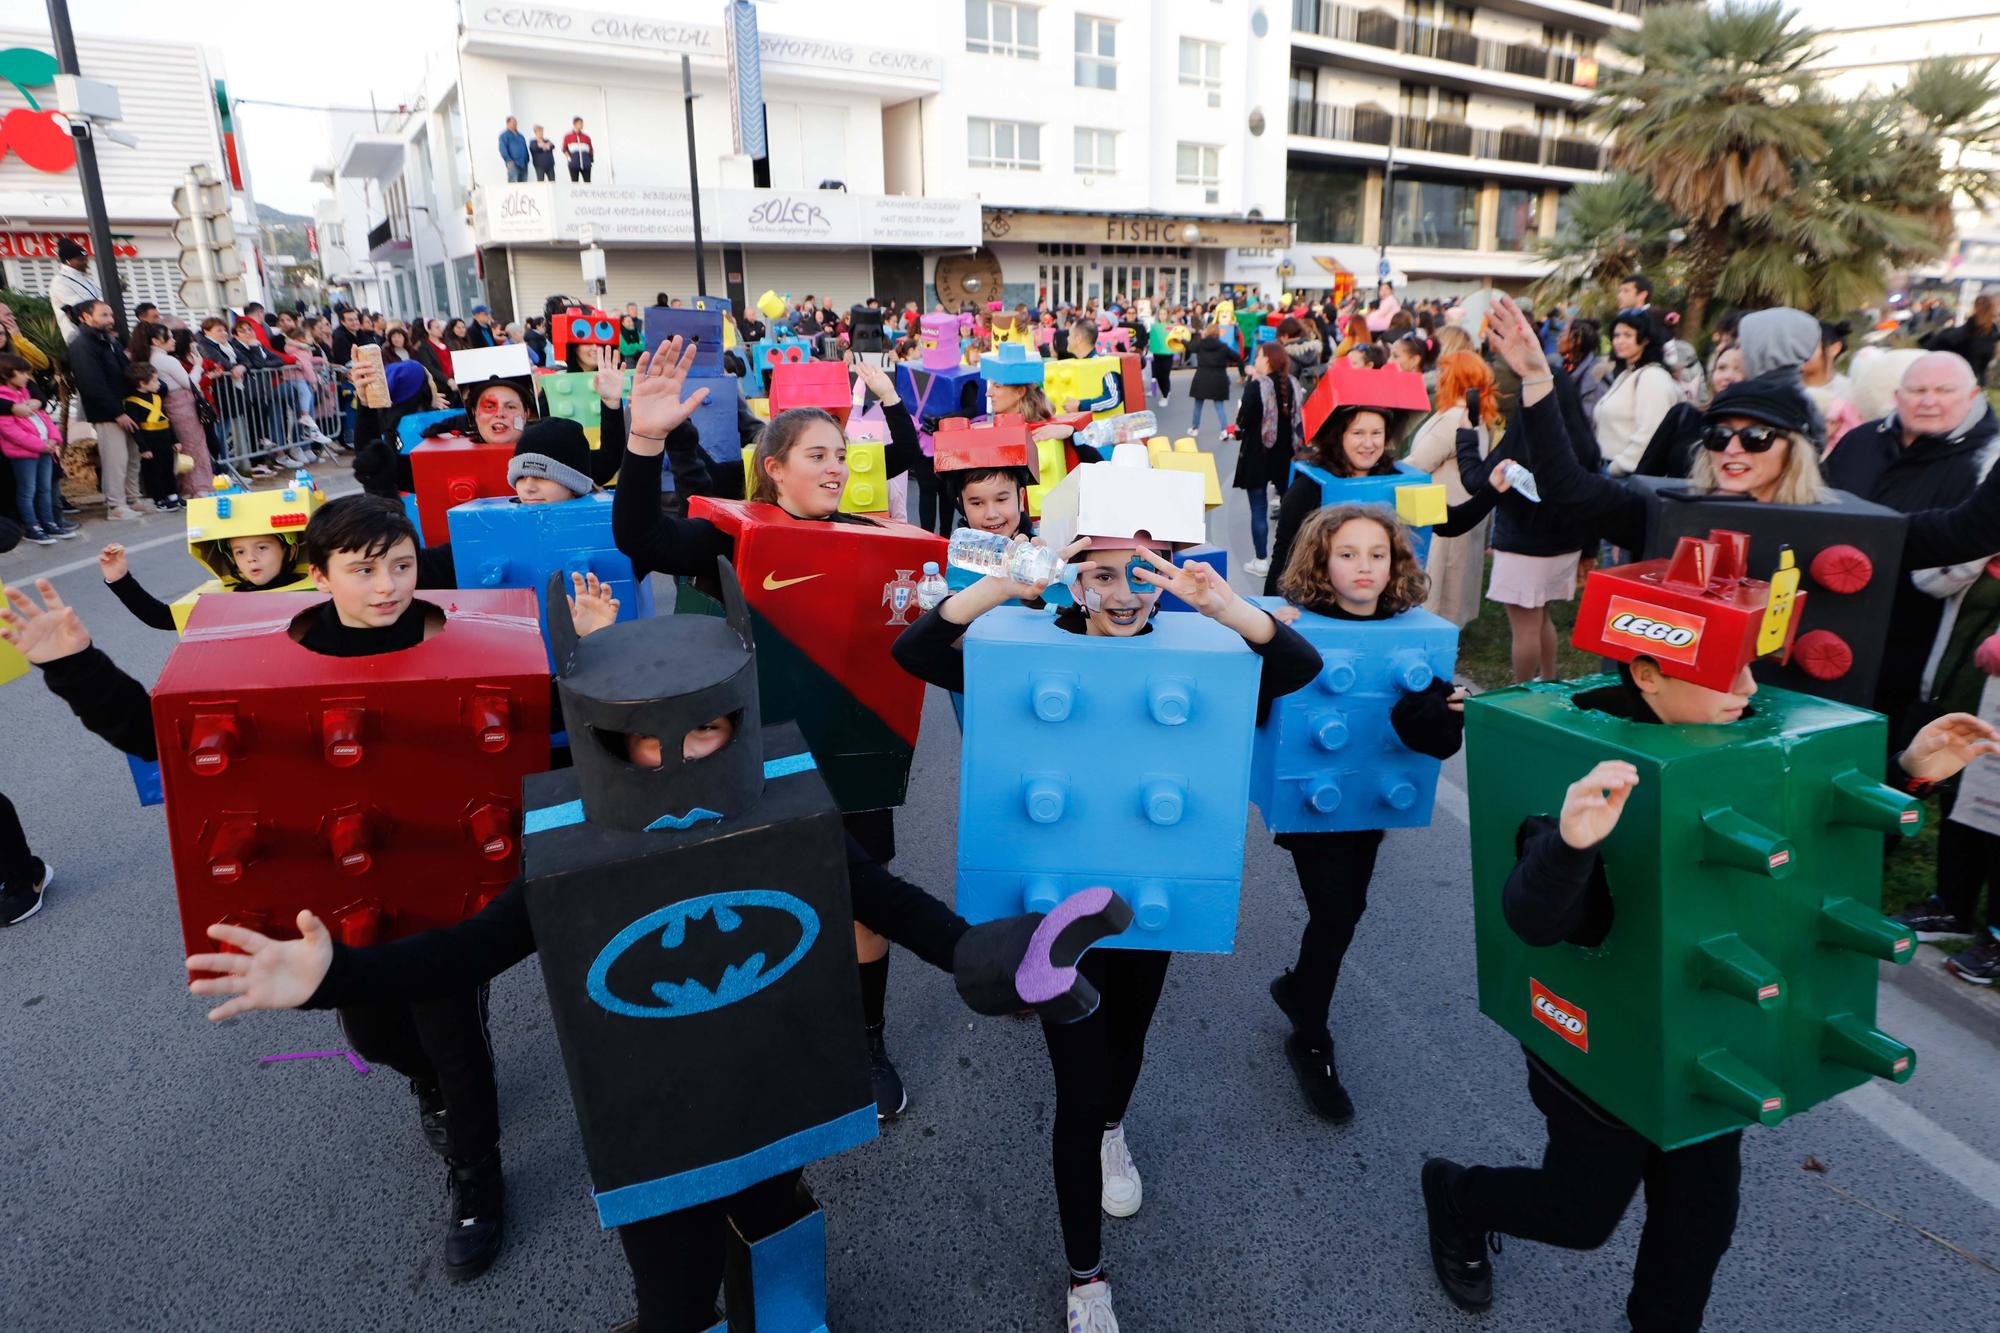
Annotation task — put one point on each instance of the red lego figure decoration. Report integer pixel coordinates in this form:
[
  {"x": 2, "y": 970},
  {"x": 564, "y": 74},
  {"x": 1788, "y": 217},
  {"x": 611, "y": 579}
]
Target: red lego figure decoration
[
  {"x": 1696, "y": 613},
  {"x": 580, "y": 325},
  {"x": 383, "y": 793},
  {"x": 1350, "y": 386},
  {"x": 1132, "y": 376},
  {"x": 1004, "y": 441},
  {"x": 824, "y": 607},
  {"x": 450, "y": 471},
  {"x": 821, "y": 384}
]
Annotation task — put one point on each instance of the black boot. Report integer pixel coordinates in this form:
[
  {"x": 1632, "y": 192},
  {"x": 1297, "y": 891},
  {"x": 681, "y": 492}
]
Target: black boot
[
  {"x": 890, "y": 1099},
  {"x": 478, "y": 1217},
  {"x": 1312, "y": 1064},
  {"x": 430, "y": 1115},
  {"x": 1458, "y": 1252}
]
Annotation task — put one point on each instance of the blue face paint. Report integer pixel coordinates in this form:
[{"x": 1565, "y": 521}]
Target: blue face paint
[{"x": 680, "y": 993}]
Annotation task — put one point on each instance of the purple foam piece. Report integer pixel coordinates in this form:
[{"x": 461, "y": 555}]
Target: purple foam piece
[{"x": 1039, "y": 980}]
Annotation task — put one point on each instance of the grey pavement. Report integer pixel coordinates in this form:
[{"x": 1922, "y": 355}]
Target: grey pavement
[{"x": 154, "y": 1176}]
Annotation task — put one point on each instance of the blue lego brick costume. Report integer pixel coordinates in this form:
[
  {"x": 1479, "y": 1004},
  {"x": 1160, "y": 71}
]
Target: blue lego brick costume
[
  {"x": 501, "y": 543},
  {"x": 943, "y": 393},
  {"x": 1370, "y": 491},
  {"x": 715, "y": 420},
  {"x": 761, "y": 353},
  {"x": 1327, "y": 759},
  {"x": 1118, "y": 762}
]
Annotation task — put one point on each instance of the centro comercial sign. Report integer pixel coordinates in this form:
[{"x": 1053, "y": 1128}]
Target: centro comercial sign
[{"x": 634, "y": 34}]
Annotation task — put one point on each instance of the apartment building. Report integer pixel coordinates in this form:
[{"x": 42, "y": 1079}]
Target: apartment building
[{"x": 1441, "y": 138}]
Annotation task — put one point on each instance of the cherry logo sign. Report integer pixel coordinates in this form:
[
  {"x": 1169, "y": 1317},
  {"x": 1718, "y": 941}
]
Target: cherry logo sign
[{"x": 40, "y": 137}]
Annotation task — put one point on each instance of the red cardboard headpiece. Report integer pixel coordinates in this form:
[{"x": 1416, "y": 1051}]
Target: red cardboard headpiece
[
  {"x": 580, "y": 324},
  {"x": 821, "y": 384},
  {"x": 1350, "y": 386},
  {"x": 960, "y": 446},
  {"x": 1695, "y": 613}
]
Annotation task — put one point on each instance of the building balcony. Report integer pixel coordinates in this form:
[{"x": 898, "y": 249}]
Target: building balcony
[
  {"x": 1367, "y": 131},
  {"x": 1382, "y": 42},
  {"x": 1595, "y": 17}
]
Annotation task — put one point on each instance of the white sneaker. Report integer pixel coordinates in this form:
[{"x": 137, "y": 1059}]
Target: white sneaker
[
  {"x": 120, "y": 514},
  {"x": 1122, "y": 1193},
  {"x": 1257, "y": 568},
  {"x": 1090, "y": 1309},
  {"x": 1272, "y": 507}
]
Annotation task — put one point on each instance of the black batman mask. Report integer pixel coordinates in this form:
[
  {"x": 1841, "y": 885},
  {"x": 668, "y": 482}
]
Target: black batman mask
[{"x": 661, "y": 677}]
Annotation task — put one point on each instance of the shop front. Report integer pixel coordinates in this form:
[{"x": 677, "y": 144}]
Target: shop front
[{"x": 1047, "y": 257}]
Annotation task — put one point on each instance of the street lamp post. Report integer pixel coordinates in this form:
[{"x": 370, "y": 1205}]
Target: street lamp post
[{"x": 86, "y": 170}]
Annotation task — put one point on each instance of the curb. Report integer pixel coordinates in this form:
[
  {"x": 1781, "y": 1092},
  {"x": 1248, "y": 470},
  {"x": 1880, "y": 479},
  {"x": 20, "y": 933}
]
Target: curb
[{"x": 1925, "y": 980}]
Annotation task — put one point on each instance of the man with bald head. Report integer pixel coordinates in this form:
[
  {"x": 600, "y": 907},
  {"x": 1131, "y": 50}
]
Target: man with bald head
[{"x": 1927, "y": 454}]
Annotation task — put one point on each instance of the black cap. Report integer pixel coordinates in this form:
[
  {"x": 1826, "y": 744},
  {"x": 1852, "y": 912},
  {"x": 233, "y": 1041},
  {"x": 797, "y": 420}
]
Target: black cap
[
  {"x": 1774, "y": 399},
  {"x": 661, "y": 676},
  {"x": 66, "y": 250}
]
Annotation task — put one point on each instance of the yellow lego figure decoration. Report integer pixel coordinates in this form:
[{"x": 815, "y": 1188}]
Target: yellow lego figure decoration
[
  {"x": 1421, "y": 506},
  {"x": 1081, "y": 380},
  {"x": 1052, "y": 458},
  {"x": 214, "y": 520},
  {"x": 1183, "y": 456},
  {"x": 13, "y": 666}
]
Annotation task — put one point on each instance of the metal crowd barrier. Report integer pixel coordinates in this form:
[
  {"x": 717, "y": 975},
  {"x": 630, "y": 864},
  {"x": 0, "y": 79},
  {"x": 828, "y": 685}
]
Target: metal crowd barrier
[{"x": 270, "y": 420}]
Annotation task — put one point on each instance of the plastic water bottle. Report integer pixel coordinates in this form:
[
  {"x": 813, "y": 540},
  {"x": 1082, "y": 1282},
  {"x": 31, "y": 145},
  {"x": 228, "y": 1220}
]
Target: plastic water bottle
[
  {"x": 1521, "y": 481},
  {"x": 993, "y": 553},
  {"x": 1125, "y": 428},
  {"x": 931, "y": 588}
]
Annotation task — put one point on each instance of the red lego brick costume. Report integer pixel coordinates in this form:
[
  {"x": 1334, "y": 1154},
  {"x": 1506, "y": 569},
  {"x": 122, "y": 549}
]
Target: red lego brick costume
[
  {"x": 827, "y": 601},
  {"x": 383, "y": 793},
  {"x": 580, "y": 325}
]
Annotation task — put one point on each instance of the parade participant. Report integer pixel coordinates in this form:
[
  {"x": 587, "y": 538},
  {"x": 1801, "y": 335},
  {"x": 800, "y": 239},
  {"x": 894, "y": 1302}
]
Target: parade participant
[
  {"x": 552, "y": 463},
  {"x": 1756, "y": 451},
  {"x": 670, "y": 1169},
  {"x": 362, "y": 551},
  {"x": 1679, "y": 717},
  {"x": 1350, "y": 563},
  {"x": 800, "y": 470},
  {"x": 1096, "y": 1062}
]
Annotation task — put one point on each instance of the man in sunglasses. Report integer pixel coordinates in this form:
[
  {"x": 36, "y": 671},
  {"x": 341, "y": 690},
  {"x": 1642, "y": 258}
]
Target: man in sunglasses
[{"x": 1929, "y": 453}]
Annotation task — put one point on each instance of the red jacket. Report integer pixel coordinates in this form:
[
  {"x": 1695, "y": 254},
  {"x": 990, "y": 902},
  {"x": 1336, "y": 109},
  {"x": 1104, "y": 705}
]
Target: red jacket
[{"x": 577, "y": 142}]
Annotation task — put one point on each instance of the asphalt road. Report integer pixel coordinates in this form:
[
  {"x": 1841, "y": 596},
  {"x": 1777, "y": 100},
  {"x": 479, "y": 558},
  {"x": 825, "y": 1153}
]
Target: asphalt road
[{"x": 154, "y": 1176}]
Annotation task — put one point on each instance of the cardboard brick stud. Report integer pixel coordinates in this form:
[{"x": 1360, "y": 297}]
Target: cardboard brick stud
[
  {"x": 1737, "y": 983},
  {"x": 1327, "y": 758}
]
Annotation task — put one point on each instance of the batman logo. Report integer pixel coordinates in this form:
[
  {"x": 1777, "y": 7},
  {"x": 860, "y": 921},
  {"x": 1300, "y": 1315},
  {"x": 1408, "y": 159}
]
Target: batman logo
[{"x": 701, "y": 954}]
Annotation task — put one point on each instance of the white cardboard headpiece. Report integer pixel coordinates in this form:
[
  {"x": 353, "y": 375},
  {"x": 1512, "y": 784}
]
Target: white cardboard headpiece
[
  {"x": 1111, "y": 503},
  {"x": 476, "y": 365}
]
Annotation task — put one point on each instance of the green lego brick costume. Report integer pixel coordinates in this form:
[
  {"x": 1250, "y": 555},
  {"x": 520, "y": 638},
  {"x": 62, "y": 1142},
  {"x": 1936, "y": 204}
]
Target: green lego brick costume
[{"x": 1736, "y": 981}]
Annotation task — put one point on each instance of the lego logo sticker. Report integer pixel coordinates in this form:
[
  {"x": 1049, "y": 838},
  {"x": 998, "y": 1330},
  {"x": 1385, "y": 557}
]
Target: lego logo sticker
[
  {"x": 1559, "y": 1016},
  {"x": 1674, "y": 636}
]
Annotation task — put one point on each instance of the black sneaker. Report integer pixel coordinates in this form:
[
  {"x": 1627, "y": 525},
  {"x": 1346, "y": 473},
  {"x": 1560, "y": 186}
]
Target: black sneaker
[
  {"x": 38, "y": 536},
  {"x": 1979, "y": 965},
  {"x": 477, "y": 1218},
  {"x": 1312, "y": 1064},
  {"x": 890, "y": 1099},
  {"x": 1932, "y": 921},
  {"x": 19, "y": 902},
  {"x": 1458, "y": 1254},
  {"x": 430, "y": 1115}
]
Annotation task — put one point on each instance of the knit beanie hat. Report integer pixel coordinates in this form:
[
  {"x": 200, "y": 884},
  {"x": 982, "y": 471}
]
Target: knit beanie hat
[
  {"x": 556, "y": 448},
  {"x": 405, "y": 379}
]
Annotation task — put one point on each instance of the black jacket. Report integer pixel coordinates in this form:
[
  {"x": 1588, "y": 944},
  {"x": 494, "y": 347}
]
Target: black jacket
[
  {"x": 97, "y": 368},
  {"x": 1255, "y": 465},
  {"x": 1969, "y": 342},
  {"x": 1520, "y": 526},
  {"x": 1212, "y": 360},
  {"x": 344, "y": 343}
]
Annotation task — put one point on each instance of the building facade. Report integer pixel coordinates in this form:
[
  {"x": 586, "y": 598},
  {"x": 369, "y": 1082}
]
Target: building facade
[
  {"x": 170, "y": 97},
  {"x": 1441, "y": 138}
]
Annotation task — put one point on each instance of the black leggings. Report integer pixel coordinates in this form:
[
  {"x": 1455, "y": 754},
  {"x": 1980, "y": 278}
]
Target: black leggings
[
  {"x": 1096, "y": 1063},
  {"x": 443, "y": 1042},
  {"x": 1163, "y": 370},
  {"x": 677, "y": 1260},
  {"x": 924, "y": 472},
  {"x": 1967, "y": 860},
  {"x": 1334, "y": 870},
  {"x": 1579, "y": 1194},
  {"x": 17, "y": 863}
]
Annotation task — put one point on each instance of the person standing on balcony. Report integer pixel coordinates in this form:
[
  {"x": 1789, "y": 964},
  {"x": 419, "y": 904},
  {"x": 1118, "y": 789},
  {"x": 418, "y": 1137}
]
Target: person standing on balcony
[
  {"x": 542, "y": 154},
  {"x": 514, "y": 152},
  {"x": 578, "y": 149}
]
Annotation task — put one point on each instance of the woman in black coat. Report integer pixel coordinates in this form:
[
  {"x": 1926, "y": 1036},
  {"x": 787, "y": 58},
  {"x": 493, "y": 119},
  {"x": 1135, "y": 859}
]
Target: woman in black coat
[
  {"x": 1264, "y": 457},
  {"x": 1212, "y": 360}
]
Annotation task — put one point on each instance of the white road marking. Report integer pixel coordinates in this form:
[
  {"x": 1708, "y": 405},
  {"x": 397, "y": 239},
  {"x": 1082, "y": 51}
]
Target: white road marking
[
  {"x": 1451, "y": 799},
  {"x": 1952, "y": 1157}
]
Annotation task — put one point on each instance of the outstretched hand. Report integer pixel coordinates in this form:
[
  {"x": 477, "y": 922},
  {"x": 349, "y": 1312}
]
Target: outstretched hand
[
  {"x": 43, "y": 633},
  {"x": 879, "y": 381},
  {"x": 609, "y": 380},
  {"x": 112, "y": 564},
  {"x": 264, "y": 973},
  {"x": 1594, "y": 802},
  {"x": 591, "y": 605},
  {"x": 1948, "y": 744},
  {"x": 1513, "y": 337},
  {"x": 1195, "y": 583},
  {"x": 658, "y": 403}
]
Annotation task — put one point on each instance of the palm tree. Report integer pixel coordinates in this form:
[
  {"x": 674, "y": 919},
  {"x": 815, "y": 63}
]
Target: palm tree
[
  {"x": 1713, "y": 112},
  {"x": 1615, "y": 227}
]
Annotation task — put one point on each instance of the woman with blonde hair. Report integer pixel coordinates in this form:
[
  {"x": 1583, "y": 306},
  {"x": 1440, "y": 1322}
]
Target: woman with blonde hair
[{"x": 1455, "y": 563}]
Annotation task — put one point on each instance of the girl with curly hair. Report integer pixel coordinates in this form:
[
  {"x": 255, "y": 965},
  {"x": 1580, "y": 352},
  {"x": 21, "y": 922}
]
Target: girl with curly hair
[{"x": 1353, "y": 563}]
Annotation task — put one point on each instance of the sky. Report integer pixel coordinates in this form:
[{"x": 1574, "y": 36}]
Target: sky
[{"x": 318, "y": 55}]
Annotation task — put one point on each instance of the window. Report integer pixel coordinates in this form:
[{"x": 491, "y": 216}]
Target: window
[
  {"x": 1201, "y": 63},
  {"x": 1096, "y": 53},
  {"x": 1008, "y": 144},
  {"x": 1520, "y": 219},
  {"x": 1198, "y": 164},
  {"x": 995, "y": 27},
  {"x": 1096, "y": 152},
  {"x": 1434, "y": 214},
  {"x": 1327, "y": 203}
]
